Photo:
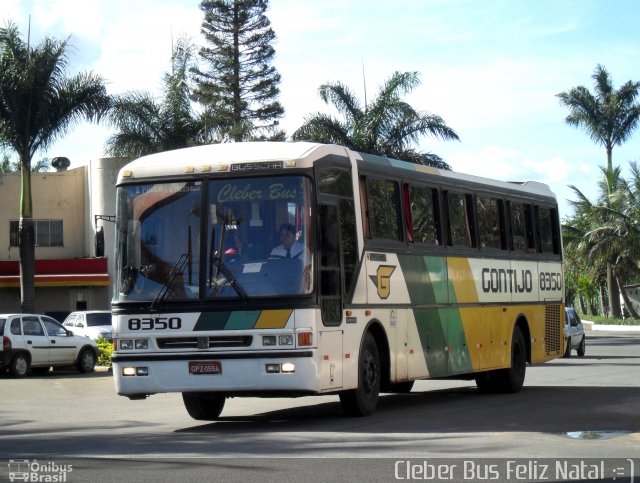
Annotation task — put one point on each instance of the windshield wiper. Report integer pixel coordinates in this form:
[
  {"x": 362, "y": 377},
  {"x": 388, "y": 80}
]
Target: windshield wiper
[
  {"x": 233, "y": 281},
  {"x": 167, "y": 285}
]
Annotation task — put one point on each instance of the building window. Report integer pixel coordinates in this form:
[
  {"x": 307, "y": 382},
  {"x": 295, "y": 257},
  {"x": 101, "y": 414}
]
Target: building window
[{"x": 48, "y": 233}]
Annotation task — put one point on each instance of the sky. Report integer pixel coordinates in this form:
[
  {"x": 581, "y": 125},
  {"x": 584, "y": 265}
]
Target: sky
[{"x": 491, "y": 69}]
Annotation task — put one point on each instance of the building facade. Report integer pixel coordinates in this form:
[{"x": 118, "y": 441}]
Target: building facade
[{"x": 69, "y": 207}]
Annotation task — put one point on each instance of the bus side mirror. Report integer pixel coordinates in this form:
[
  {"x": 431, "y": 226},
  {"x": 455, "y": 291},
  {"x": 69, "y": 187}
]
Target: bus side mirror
[{"x": 99, "y": 242}]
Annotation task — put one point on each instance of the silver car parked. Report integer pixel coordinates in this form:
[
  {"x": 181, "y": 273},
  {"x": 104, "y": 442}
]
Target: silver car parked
[
  {"x": 574, "y": 333},
  {"x": 37, "y": 342},
  {"x": 94, "y": 324}
]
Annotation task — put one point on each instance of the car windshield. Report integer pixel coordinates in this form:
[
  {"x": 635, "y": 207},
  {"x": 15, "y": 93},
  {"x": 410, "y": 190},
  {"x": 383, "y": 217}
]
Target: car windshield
[
  {"x": 94, "y": 320},
  {"x": 221, "y": 239}
]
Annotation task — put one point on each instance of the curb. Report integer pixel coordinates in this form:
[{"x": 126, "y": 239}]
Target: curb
[{"x": 588, "y": 325}]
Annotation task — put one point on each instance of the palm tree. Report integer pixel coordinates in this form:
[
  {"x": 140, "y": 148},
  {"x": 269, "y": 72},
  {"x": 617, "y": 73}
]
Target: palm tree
[
  {"x": 609, "y": 116},
  {"x": 39, "y": 104},
  {"x": 8, "y": 166},
  {"x": 146, "y": 126},
  {"x": 387, "y": 127},
  {"x": 610, "y": 229}
]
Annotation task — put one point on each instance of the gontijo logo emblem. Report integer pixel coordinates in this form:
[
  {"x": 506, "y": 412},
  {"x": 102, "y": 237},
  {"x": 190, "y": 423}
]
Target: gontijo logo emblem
[{"x": 382, "y": 280}]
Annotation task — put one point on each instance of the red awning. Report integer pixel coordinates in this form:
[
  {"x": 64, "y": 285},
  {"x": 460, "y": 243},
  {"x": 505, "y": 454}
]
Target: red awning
[{"x": 63, "y": 272}]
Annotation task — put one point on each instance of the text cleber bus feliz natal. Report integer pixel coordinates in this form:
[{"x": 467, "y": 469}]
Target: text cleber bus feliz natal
[{"x": 291, "y": 268}]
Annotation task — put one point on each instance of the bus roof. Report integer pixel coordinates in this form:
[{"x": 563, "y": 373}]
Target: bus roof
[{"x": 211, "y": 158}]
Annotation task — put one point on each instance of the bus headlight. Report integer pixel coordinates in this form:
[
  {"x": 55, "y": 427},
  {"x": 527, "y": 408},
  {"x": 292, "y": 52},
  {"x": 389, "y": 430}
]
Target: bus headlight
[
  {"x": 142, "y": 343},
  {"x": 135, "y": 371},
  {"x": 288, "y": 367},
  {"x": 126, "y": 345},
  {"x": 285, "y": 339},
  {"x": 269, "y": 340}
]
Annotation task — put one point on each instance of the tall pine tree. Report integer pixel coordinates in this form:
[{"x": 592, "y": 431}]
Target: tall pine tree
[{"x": 238, "y": 85}]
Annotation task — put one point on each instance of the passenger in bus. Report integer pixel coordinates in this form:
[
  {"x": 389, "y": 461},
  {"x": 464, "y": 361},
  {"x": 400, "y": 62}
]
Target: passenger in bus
[
  {"x": 290, "y": 247},
  {"x": 233, "y": 245}
]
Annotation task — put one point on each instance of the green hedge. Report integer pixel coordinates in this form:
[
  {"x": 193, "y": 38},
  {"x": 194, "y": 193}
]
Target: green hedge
[{"x": 105, "y": 349}]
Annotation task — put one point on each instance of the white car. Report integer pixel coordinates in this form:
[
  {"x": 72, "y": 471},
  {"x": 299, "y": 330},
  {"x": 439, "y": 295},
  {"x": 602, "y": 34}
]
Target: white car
[
  {"x": 38, "y": 342},
  {"x": 574, "y": 333},
  {"x": 94, "y": 324}
]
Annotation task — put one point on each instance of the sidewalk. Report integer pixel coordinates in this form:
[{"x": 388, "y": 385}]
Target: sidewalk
[{"x": 588, "y": 325}]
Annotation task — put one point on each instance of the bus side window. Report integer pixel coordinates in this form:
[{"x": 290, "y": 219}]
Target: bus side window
[
  {"x": 383, "y": 208},
  {"x": 330, "y": 286},
  {"x": 521, "y": 228},
  {"x": 517, "y": 231},
  {"x": 365, "y": 210},
  {"x": 490, "y": 225},
  {"x": 459, "y": 220},
  {"x": 547, "y": 232},
  {"x": 423, "y": 212}
]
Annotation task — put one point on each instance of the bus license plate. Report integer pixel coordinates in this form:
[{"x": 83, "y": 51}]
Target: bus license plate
[{"x": 205, "y": 368}]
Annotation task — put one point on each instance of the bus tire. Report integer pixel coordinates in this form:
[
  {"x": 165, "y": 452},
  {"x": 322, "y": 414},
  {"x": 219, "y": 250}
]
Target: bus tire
[
  {"x": 203, "y": 406},
  {"x": 506, "y": 380},
  {"x": 363, "y": 400},
  {"x": 403, "y": 387},
  {"x": 487, "y": 382},
  {"x": 513, "y": 378}
]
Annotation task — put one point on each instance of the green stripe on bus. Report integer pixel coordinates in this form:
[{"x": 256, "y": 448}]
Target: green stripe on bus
[
  {"x": 212, "y": 321},
  {"x": 440, "y": 329},
  {"x": 243, "y": 320},
  {"x": 433, "y": 340}
]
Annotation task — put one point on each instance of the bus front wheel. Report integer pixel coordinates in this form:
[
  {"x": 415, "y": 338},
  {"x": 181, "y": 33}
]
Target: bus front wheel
[
  {"x": 363, "y": 400},
  {"x": 203, "y": 406}
]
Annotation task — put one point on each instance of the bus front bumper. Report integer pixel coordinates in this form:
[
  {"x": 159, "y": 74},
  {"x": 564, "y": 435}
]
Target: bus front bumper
[{"x": 140, "y": 375}]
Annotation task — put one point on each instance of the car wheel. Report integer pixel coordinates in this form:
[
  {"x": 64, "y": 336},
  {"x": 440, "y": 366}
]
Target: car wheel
[
  {"x": 567, "y": 351},
  {"x": 203, "y": 406},
  {"x": 582, "y": 347},
  {"x": 19, "y": 366},
  {"x": 86, "y": 361},
  {"x": 363, "y": 400}
]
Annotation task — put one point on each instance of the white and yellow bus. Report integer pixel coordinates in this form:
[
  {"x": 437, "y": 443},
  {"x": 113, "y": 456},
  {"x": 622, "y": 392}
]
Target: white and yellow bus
[{"x": 289, "y": 269}]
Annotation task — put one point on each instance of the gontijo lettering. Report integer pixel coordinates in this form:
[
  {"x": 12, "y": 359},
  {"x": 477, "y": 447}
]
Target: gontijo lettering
[{"x": 503, "y": 280}]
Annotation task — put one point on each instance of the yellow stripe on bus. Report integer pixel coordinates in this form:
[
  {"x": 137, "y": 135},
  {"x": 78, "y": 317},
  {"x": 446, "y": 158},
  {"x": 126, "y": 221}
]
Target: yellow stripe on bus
[
  {"x": 461, "y": 278},
  {"x": 273, "y": 319}
]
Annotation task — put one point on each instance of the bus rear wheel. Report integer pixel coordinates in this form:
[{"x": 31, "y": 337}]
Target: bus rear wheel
[
  {"x": 363, "y": 400},
  {"x": 203, "y": 406},
  {"x": 508, "y": 380}
]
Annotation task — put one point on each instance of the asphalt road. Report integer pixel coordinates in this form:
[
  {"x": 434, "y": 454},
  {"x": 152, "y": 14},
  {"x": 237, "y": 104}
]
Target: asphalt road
[{"x": 577, "y": 411}]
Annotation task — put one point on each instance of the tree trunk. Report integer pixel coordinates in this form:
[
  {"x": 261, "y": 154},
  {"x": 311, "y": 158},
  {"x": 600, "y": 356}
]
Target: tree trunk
[
  {"x": 26, "y": 240},
  {"x": 583, "y": 307},
  {"x": 603, "y": 301},
  {"x": 614, "y": 293},
  {"x": 592, "y": 306},
  {"x": 27, "y": 265}
]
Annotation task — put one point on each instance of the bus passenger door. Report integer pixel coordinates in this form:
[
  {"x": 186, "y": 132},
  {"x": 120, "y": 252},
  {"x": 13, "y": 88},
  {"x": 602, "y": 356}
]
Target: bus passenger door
[{"x": 330, "y": 344}]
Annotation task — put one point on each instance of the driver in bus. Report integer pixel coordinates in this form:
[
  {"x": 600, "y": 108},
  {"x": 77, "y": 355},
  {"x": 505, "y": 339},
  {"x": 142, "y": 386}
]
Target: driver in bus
[{"x": 290, "y": 247}]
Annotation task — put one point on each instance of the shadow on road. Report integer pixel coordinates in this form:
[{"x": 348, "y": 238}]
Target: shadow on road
[{"x": 535, "y": 409}]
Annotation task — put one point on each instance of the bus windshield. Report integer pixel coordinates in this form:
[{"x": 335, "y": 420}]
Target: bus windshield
[{"x": 214, "y": 239}]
